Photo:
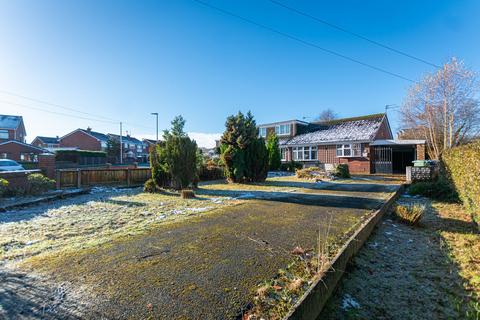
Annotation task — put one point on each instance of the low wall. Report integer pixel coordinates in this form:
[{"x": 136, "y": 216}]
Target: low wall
[
  {"x": 415, "y": 174},
  {"x": 313, "y": 301},
  {"x": 17, "y": 179},
  {"x": 78, "y": 178}
]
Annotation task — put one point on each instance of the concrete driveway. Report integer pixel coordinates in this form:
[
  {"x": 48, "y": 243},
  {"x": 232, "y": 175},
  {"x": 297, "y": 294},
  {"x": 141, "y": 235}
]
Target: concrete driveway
[{"x": 208, "y": 266}]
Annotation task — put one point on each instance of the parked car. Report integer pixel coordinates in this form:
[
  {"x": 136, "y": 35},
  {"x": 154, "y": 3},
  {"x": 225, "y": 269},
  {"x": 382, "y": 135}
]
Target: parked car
[{"x": 9, "y": 165}]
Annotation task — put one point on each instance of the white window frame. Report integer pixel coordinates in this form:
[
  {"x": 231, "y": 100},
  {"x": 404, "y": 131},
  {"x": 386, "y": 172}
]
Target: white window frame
[
  {"x": 283, "y": 129},
  {"x": 305, "y": 153},
  {"x": 262, "y": 132},
  {"x": 283, "y": 153},
  {"x": 349, "y": 150},
  {"x": 4, "y": 134}
]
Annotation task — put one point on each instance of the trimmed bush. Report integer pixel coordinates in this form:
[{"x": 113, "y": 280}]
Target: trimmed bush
[
  {"x": 38, "y": 183},
  {"x": 462, "y": 165},
  {"x": 210, "y": 172},
  {"x": 291, "y": 166},
  {"x": 3, "y": 186},
  {"x": 440, "y": 189},
  {"x": 342, "y": 171},
  {"x": 150, "y": 186},
  {"x": 410, "y": 214}
]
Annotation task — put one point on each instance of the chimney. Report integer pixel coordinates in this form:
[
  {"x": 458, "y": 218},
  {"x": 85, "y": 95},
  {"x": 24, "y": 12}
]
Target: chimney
[{"x": 89, "y": 129}]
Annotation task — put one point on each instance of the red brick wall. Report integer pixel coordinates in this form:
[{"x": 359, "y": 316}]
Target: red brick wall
[
  {"x": 328, "y": 154},
  {"x": 46, "y": 163},
  {"x": 420, "y": 152},
  {"x": 81, "y": 140},
  {"x": 383, "y": 132},
  {"x": 13, "y": 150}
]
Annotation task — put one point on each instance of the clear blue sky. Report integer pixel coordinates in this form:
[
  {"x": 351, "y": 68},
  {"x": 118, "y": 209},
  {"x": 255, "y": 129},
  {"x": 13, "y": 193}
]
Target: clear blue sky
[{"x": 125, "y": 59}]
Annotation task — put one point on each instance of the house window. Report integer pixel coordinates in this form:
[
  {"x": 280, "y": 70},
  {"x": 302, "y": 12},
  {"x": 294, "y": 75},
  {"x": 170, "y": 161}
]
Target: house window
[
  {"x": 3, "y": 155},
  {"x": 263, "y": 132},
  {"x": 349, "y": 150},
  {"x": 305, "y": 153},
  {"x": 283, "y": 153},
  {"x": 3, "y": 134},
  {"x": 283, "y": 129}
]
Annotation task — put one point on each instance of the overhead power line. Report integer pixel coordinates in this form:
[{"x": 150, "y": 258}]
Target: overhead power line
[
  {"x": 103, "y": 118},
  {"x": 57, "y": 113},
  {"x": 305, "y": 42},
  {"x": 53, "y": 104},
  {"x": 354, "y": 34}
]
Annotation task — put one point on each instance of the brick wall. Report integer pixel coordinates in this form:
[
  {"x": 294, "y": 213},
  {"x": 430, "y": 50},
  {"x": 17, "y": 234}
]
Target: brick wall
[
  {"x": 383, "y": 132},
  {"x": 46, "y": 163},
  {"x": 13, "y": 151},
  {"x": 420, "y": 152},
  {"x": 17, "y": 179},
  {"x": 81, "y": 140}
]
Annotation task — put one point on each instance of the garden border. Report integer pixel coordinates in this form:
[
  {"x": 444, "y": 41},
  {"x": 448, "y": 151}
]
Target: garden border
[{"x": 314, "y": 299}]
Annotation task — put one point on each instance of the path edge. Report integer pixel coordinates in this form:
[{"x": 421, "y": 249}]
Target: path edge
[{"x": 314, "y": 299}]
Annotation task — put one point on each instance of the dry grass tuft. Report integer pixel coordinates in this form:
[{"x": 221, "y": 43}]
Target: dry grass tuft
[{"x": 409, "y": 213}]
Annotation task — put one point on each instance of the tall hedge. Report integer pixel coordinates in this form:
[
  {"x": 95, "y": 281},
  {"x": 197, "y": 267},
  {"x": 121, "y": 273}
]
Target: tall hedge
[{"x": 463, "y": 168}]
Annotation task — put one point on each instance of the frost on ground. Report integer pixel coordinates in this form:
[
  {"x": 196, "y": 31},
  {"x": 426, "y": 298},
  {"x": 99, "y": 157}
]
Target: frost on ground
[
  {"x": 92, "y": 219},
  {"x": 404, "y": 272}
]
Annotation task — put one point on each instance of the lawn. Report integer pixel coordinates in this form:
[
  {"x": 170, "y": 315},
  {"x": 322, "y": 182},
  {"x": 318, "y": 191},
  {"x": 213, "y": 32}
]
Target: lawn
[
  {"x": 126, "y": 254},
  {"x": 414, "y": 272}
]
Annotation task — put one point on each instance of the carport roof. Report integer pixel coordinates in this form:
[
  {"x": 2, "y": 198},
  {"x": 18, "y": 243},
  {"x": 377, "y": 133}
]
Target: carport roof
[{"x": 396, "y": 142}]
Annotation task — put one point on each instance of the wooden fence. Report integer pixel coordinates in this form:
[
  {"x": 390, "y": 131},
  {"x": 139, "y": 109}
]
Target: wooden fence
[{"x": 105, "y": 176}]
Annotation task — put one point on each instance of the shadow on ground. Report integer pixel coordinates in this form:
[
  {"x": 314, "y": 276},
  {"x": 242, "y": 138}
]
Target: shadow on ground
[
  {"x": 24, "y": 297},
  {"x": 404, "y": 272}
]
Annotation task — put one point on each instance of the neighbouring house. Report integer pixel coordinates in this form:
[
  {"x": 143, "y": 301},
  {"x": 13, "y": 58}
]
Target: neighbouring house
[
  {"x": 132, "y": 148},
  {"x": 20, "y": 151},
  {"x": 364, "y": 143},
  {"x": 84, "y": 139},
  {"x": 49, "y": 143},
  {"x": 12, "y": 128}
]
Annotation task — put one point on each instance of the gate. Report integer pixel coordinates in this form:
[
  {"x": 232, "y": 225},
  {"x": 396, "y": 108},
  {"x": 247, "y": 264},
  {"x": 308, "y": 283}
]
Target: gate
[{"x": 382, "y": 160}]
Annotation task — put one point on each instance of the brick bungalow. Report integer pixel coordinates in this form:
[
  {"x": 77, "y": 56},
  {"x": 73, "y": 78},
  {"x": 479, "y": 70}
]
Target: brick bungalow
[
  {"x": 19, "y": 151},
  {"x": 364, "y": 143}
]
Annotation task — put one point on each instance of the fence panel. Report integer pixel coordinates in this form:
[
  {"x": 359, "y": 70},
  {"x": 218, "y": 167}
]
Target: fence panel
[{"x": 104, "y": 176}]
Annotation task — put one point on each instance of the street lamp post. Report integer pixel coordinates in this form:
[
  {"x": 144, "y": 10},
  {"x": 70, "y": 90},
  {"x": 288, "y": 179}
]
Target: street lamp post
[{"x": 156, "y": 115}]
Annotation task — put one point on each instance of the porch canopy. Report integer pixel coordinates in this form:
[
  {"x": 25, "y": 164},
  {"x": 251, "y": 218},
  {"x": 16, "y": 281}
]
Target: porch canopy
[{"x": 394, "y": 156}]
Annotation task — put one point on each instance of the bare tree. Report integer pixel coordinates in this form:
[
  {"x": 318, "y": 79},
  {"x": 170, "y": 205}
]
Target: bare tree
[
  {"x": 443, "y": 107},
  {"x": 327, "y": 115}
]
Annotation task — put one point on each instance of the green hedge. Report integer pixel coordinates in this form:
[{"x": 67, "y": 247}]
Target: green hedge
[
  {"x": 60, "y": 154},
  {"x": 463, "y": 168}
]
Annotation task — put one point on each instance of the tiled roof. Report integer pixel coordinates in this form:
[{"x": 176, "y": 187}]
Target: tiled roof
[
  {"x": 9, "y": 122},
  {"x": 349, "y": 129},
  {"x": 126, "y": 139},
  {"x": 49, "y": 139},
  {"x": 100, "y": 136}
]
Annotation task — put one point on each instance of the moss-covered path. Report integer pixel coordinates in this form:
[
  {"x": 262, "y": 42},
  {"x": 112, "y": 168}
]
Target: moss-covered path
[{"x": 207, "y": 266}]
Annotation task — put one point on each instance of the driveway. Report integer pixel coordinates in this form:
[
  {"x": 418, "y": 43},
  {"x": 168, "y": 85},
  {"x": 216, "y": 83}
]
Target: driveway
[{"x": 206, "y": 266}]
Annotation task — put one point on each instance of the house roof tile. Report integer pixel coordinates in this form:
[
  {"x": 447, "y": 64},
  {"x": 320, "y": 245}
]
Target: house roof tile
[
  {"x": 9, "y": 122},
  {"x": 348, "y": 129}
]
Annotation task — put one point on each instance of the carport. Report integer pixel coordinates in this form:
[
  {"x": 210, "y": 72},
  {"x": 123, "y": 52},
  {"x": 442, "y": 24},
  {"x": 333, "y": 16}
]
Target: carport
[{"x": 393, "y": 156}]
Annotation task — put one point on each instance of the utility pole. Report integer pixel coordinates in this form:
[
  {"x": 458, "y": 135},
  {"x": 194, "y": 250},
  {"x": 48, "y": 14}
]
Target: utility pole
[
  {"x": 156, "y": 114},
  {"x": 121, "y": 144}
]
